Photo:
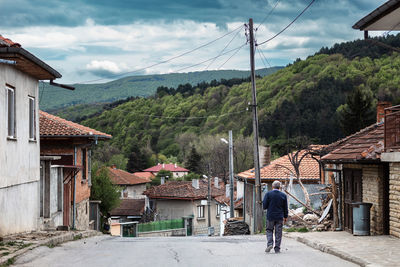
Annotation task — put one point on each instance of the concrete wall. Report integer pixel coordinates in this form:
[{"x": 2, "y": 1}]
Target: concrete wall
[
  {"x": 394, "y": 199},
  {"x": 167, "y": 209},
  {"x": 135, "y": 191},
  {"x": 19, "y": 158}
]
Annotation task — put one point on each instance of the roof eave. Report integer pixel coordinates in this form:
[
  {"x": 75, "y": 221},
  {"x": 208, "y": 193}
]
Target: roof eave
[
  {"x": 19, "y": 50},
  {"x": 90, "y": 136},
  {"x": 376, "y": 15}
]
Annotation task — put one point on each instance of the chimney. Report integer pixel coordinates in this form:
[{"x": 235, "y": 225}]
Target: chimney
[
  {"x": 113, "y": 166},
  {"x": 163, "y": 165},
  {"x": 175, "y": 166},
  {"x": 380, "y": 110},
  {"x": 195, "y": 183},
  {"x": 216, "y": 182},
  {"x": 265, "y": 155},
  {"x": 227, "y": 190},
  {"x": 162, "y": 180}
]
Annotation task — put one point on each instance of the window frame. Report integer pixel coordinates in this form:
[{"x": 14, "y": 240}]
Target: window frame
[
  {"x": 200, "y": 211},
  {"x": 218, "y": 210},
  {"x": 11, "y": 119},
  {"x": 32, "y": 118}
]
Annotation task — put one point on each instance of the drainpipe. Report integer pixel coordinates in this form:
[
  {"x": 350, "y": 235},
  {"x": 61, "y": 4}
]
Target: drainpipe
[
  {"x": 74, "y": 201},
  {"x": 244, "y": 200}
]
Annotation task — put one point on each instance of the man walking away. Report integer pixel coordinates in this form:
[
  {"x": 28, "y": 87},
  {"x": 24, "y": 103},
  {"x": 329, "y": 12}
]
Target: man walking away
[{"x": 275, "y": 202}]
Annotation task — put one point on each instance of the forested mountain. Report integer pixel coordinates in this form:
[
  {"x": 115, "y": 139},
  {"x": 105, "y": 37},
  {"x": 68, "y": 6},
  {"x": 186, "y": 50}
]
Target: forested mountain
[{"x": 52, "y": 98}]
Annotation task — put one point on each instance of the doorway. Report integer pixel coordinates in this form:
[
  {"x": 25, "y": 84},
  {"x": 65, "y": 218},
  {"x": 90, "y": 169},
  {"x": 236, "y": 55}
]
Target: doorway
[{"x": 352, "y": 193}]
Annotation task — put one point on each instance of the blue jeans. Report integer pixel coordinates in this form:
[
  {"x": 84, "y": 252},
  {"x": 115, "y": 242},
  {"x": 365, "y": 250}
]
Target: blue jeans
[{"x": 277, "y": 226}]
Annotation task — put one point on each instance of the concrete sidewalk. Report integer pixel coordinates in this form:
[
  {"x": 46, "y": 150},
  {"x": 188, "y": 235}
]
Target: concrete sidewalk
[
  {"x": 363, "y": 250},
  {"x": 15, "y": 245}
]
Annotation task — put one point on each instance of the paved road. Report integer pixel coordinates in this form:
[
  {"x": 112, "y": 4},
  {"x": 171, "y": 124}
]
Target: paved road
[{"x": 177, "y": 251}]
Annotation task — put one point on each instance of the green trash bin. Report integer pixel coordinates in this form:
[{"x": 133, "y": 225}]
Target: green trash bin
[{"x": 361, "y": 218}]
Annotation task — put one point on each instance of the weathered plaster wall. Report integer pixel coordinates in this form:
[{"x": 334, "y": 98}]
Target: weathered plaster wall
[
  {"x": 136, "y": 191},
  {"x": 19, "y": 159},
  {"x": 82, "y": 215},
  {"x": 394, "y": 199},
  {"x": 173, "y": 209}
]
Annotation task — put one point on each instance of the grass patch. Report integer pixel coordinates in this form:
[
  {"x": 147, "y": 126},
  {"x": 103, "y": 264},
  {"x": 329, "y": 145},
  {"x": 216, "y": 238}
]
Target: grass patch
[
  {"x": 8, "y": 262},
  {"x": 51, "y": 245},
  {"x": 5, "y": 253},
  {"x": 77, "y": 237},
  {"x": 294, "y": 229}
]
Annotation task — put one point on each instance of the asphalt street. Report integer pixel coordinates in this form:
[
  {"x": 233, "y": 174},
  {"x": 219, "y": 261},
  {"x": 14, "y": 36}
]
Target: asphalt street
[{"x": 177, "y": 251}]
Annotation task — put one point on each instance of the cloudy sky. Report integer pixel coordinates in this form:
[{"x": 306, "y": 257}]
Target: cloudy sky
[{"x": 87, "y": 40}]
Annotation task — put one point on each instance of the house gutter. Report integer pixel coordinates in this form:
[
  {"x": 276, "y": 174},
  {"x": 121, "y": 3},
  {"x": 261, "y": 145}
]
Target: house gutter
[{"x": 74, "y": 198}]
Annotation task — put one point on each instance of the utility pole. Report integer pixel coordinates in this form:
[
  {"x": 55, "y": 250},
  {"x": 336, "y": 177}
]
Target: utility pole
[
  {"x": 231, "y": 181},
  {"x": 257, "y": 213}
]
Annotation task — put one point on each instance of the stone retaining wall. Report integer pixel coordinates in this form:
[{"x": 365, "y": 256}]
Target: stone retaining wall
[{"x": 394, "y": 199}]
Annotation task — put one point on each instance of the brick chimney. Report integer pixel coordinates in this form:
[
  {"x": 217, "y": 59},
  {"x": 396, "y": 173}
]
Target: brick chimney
[
  {"x": 113, "y": 166},
  {"x": 380, "y": 110}
]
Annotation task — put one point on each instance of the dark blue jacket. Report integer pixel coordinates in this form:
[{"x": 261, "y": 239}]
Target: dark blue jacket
[{"x": 275, "y": 202}]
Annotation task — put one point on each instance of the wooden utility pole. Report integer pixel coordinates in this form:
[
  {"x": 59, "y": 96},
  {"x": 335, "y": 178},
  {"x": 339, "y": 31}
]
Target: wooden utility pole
[
  {"x": 231, "y": 181},
  {"x": 257, "y": 213}
]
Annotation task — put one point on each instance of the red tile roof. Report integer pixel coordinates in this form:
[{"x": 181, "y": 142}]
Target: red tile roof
[
  {"x": 5, "y": 42},
  {"x": 168, "y": 167},
  {"x": 122, "y": 177},
  {"x": 129, "y": 207},
  {"x": 365, "y": 145},
  {"x": 53, "y": 126},
  {"x": 183, "y": 190},
  {"x": 144, "y": 174},
  {"x": 278, "y": 169}
]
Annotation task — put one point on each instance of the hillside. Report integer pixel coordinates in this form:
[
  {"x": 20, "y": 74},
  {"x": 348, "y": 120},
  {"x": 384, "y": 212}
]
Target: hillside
[
  {"x": 299, "y": 100},
  {"x": 145, "y": 85}
]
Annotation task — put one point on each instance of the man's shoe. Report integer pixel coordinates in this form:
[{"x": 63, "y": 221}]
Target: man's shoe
[
  {"x": 268, "y": 249},
  {"x": 277, "y": 251}
]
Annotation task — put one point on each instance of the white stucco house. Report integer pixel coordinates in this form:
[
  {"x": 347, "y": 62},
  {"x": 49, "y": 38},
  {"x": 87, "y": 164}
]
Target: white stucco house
[{"x": 20, "y": 72}]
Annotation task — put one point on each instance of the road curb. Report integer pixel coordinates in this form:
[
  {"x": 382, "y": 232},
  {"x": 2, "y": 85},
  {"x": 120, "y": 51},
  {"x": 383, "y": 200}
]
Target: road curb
[
  {"x": 53, "y": 241},
  {"x": 333, "y": 251}
]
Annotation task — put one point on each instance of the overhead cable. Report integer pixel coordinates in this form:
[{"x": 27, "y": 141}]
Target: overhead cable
[
  {"x": 287, "y": 26},
  {"x": 267, "y": 16},
  {"x": 167, "y": 60}
]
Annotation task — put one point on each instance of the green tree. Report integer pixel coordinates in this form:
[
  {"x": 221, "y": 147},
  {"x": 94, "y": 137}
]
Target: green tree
[
  {"x": 103, "y": 189},
  {"x": 137, "y": 160},
  {"x": 193, "y": 163},
  {"x": 358, "y": 111}
]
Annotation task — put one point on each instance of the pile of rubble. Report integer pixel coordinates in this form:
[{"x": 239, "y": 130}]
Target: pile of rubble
[
  {"x": 234, "y": 226},
  {"x": 311, "y": 221}
]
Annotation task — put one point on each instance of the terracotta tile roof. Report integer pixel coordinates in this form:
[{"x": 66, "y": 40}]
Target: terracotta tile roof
[
  {"x": 5, "y": 42},
  {"x": 224, "y": 200},
  {"x": 309, "y": 169},
  {"x": 183, "y": 190},
  {"x": 53, "y": 126},
  {"x": 129, "y": 207},
  {"x": 367, "y": 145},
  {"x": 144, "y": 175},
  {"x": 168, "y": 167},
  {"x": 122, "y": 177}
]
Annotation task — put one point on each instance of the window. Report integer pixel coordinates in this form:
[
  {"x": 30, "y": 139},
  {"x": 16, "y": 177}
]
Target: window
[
  {"x": 84, "y": 167},
  {"x": 32, "y": 120},
  {"x": 10, "y": 112},
  {"x": 218, "y": 209},
  {"x": 200, "y": 211}
]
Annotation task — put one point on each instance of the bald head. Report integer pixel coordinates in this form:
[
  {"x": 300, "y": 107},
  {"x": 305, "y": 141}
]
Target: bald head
[{"x": 276, "y": 185}]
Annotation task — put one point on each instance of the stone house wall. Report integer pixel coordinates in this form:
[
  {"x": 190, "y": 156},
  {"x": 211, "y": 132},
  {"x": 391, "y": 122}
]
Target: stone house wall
[{"x": 394, "y": 199}]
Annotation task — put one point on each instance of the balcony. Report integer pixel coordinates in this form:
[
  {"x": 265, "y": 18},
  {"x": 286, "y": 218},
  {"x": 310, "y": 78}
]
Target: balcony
[{"x": 392, "y": 128}]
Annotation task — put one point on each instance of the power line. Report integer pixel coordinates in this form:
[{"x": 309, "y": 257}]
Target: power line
[
  {"x": 167, "y": 60},
  {"x": 262, "y": 53},
  {"x": 240, "y": 47},
  {"x": 262, "y": 59},
  {"x": 202, "y": 62},
  {"x": 269, "y": 13},
  {"x": 192, "y": 118},
  {"x": 287, "y": 26},
  {"x": 224, "y": 48}
]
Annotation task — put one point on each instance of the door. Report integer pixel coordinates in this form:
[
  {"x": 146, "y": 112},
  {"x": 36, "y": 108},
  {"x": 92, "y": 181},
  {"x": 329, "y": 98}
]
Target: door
[
  {"x": 352, "y": 193},
  {"x": 66, "y": 203}
]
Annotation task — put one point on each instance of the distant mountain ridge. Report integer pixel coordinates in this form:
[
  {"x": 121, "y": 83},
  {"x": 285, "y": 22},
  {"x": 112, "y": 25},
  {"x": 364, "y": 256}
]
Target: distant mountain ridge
[{"x": 52, "y": 98}]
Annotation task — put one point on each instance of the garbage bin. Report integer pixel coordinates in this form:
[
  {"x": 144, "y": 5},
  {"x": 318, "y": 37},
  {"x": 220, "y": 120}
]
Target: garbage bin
[{"x": 361, "y": 218}]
